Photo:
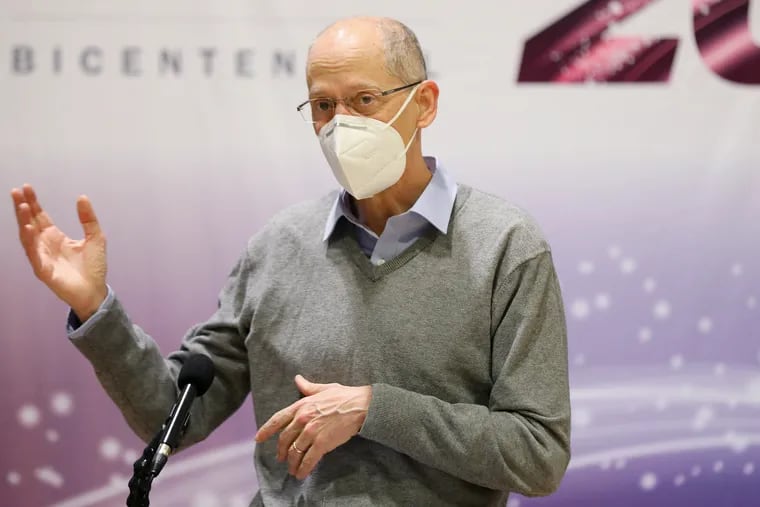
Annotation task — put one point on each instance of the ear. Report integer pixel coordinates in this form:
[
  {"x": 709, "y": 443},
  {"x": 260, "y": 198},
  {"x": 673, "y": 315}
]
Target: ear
[{"x": 427, "y": 101}]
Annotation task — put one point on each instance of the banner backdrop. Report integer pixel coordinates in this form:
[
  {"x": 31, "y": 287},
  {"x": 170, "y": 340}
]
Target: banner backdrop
[{"x": 629, "y": 129}]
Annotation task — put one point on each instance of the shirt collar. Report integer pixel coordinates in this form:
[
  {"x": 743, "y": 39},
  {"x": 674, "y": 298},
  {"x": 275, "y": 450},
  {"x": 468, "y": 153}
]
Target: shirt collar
[{"x": 434, "y": 204}]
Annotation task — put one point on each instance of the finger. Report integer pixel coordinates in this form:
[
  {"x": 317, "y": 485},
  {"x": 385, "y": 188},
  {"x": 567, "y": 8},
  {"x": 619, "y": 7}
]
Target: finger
[
  {"x": 28, "y": 234},
  {"x": 18, "y": 200},
  {"x": 295, "y": 456},
  {"x": 27, "y": 228},
  {"x": 87, "y": 217},
  {"x": 275, "y": 423},
  {"x": 309, "y": 388},
  {"x": 300, "y": 421},
  {"x": 309, "y": 460},
  {"x": 304, "y": 442},
  {"x": 38, "y": 214},
  {"x": 286, "y": 439}
]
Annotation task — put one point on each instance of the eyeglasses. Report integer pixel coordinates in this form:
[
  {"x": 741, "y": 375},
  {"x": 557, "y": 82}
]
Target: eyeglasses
[{"x": 365, "y": 103}]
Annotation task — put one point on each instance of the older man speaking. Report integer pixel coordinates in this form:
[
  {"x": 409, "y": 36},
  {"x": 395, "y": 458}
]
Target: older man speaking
[{"x": 425, "y": 315}]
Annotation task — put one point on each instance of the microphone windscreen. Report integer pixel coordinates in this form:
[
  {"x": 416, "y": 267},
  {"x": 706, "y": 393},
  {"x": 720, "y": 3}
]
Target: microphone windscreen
[{"x": 198, "y": 371}]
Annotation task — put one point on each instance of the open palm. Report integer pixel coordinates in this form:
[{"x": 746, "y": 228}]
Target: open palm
[{"x": 75, "y": 270}]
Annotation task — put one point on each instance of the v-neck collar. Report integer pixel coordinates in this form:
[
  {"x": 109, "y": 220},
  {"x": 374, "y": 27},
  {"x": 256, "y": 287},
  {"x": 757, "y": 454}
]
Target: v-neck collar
[{"x": 344, "y": 239}]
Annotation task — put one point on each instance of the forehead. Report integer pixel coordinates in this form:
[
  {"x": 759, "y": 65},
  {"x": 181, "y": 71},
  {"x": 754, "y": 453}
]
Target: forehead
[{"x": 346, "y": 60}]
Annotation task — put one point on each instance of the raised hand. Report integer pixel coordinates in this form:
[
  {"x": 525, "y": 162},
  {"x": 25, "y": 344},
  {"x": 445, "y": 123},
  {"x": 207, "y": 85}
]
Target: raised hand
[{"x": 75, "y": 270}]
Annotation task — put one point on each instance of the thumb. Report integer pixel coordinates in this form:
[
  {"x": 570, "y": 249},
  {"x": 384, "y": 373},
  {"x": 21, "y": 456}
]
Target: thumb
[
  {"x": 87, "y": 217},
  {"x": 309, "y": 388}
]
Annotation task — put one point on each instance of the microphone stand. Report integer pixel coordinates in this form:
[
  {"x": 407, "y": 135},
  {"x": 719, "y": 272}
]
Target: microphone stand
[{"x": 142, "y": 478}]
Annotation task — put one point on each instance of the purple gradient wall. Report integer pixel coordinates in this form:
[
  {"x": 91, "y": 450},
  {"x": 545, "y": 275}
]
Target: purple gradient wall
[{"x": 649, "y": 194}]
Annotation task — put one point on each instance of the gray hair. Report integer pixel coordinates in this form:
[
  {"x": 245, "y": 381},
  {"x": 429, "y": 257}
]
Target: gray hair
[{"x": 403, "y": 55}]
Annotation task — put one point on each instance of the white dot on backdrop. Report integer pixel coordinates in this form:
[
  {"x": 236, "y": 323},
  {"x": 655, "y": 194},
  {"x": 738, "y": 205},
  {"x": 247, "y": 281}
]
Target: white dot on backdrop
[
  {"x": 662, "y": 309},
  {"x": 52, "y": 436},
  {"x": 586, "y": 267},
  {"x": 14, "y": 478},
  {"x": 676, "y": 362},
  {"x": 753, "y": 390},
  {"x": 719, "y": 369},
  {"x": 645, "y": 335},
  {"x": 628, "y": 266},
  {"x": 581, "y": 418},
  {"x": 614, "y": 252},
  {"x": 602, "y": 301},
  {"x": 62, "y": 403},
  {"x": 48, "y": 475},
  {"x": 580, "y": 359},
  {"x": 702, "y": 418},
  {"x": 737, "y": 269},
  {"x": 239, "y": 500},
  {"x": 649, "y": 285},
  {"x": 679, "y": 480},
  {"x": 718, "y": 467},
  {"x": 118, "y": 480},
  {"x": 751, "y": 302},
  {"x": 749, "y": 468},
  {"x": 580, "y": 309},
  {"x": 737, "y": 443},
  {"x": 110, "y": 448},
  {"x": 705, "y": 325},
  {"x": 29, "y": 416},
  {"x": 130, "y": 456},
  {"x": 206, "y": 499},
  {"x": 513, "y": 502},
  {"x": 648, "y": 481},
  {"x": 661, "y": 404},
  {"x": 696, "y": 470}
]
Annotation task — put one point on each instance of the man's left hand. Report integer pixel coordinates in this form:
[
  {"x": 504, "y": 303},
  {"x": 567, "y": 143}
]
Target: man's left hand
[{"x": 327, "y": 417}]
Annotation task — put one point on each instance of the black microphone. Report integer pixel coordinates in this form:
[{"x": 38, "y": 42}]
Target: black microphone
[{"x": 195, "y": 378}]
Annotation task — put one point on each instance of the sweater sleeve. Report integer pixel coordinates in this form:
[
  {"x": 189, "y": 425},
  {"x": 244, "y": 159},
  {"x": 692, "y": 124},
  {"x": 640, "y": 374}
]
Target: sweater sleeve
[
  {"x": 519, "y": 442},
  {"x": 143, "y": 384}
]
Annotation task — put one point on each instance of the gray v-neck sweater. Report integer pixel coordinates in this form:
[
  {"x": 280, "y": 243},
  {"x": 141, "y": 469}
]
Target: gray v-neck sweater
[{"x": 462, "y": 338}]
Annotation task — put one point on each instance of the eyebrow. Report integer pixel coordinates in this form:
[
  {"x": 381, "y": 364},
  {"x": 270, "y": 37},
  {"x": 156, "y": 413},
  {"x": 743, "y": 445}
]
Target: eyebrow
[{"x": 356, "y": 87}]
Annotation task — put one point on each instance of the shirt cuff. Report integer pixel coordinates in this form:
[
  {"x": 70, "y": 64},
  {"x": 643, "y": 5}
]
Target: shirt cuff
[{"x": 77, "y": 329}]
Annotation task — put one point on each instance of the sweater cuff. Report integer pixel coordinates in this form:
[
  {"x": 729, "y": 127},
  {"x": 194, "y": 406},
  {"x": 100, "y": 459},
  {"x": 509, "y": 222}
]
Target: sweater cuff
[
  {"x": 389, "y": 406},
  {"x": 77, "y": 329}
]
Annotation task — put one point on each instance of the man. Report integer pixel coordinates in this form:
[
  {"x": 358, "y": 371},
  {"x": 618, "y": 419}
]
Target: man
[{"x": 425, "y": 315}]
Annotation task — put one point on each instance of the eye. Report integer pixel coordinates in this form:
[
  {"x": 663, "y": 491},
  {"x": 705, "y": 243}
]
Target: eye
[
  {"x": 365, "y": 99},
  {"x": 322, "y": 105}
]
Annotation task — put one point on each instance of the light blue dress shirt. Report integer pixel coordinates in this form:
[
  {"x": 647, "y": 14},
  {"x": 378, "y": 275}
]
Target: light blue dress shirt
[{"x": 432, "y": 208}]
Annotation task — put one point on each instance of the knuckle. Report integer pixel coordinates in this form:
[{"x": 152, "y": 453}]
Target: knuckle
[
  {"x": 303, "y": 418},
  {"x": 311, "y": 430},
  {"x": 319, "y": 444}
]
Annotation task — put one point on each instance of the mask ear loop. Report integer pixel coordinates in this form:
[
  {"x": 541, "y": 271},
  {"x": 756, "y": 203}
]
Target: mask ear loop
[
  {"x": 411, "y": 140},
  {"x": 403, "y": 106},
  {"x": 401, "y": 110}
]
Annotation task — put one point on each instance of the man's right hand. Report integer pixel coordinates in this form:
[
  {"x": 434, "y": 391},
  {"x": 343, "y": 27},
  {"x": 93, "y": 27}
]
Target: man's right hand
[{"x": 75, "y": 270}]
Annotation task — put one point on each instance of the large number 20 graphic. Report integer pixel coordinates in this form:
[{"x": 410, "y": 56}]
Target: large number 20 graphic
[{"x": 576, "y": 48}]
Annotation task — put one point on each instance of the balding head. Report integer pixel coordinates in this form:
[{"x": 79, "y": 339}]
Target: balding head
[
  {"x": 380, "y": 40},
  {"x": 356, "y": 60}
]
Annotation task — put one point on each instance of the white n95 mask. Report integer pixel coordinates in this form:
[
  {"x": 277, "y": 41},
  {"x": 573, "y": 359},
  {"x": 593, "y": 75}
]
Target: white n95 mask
[{"x": 366, "y": 155}]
